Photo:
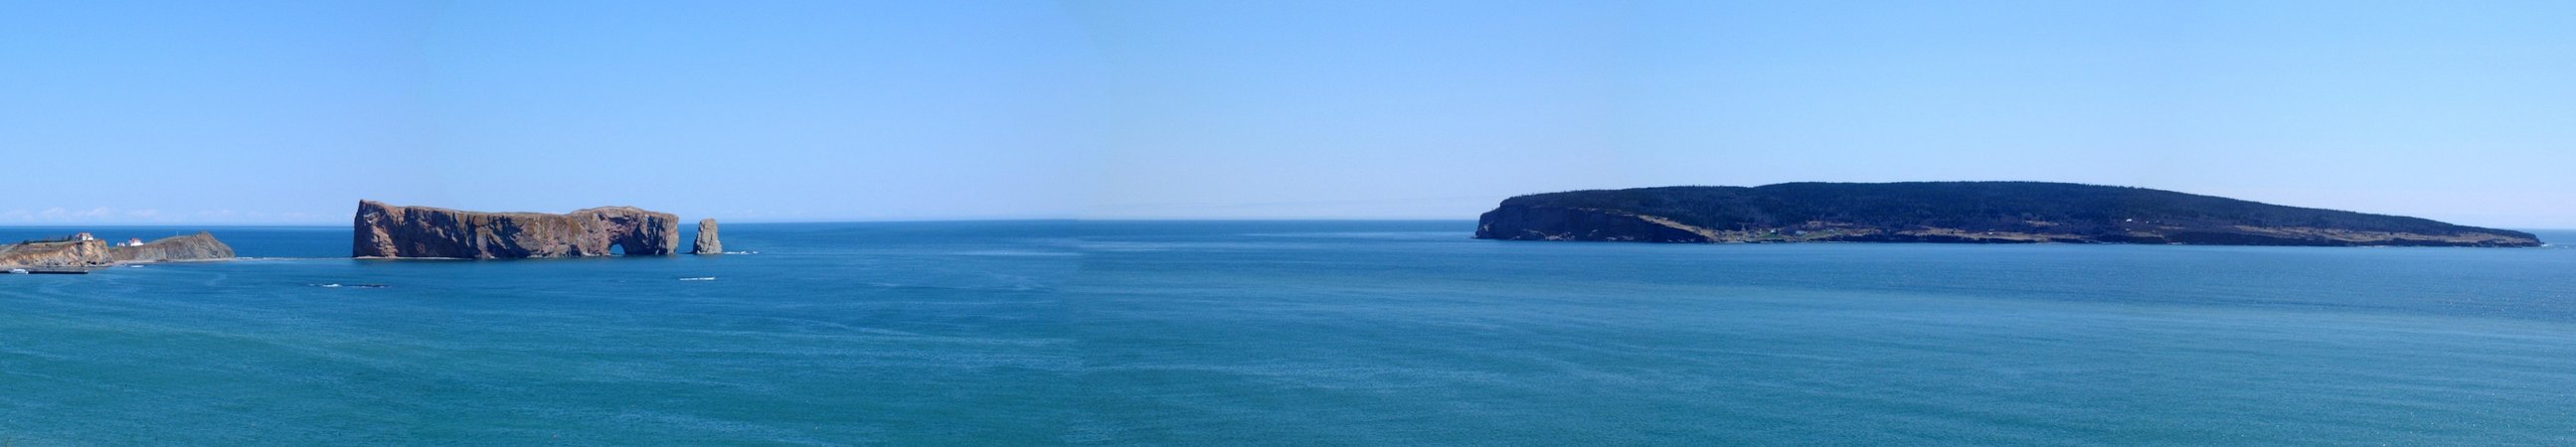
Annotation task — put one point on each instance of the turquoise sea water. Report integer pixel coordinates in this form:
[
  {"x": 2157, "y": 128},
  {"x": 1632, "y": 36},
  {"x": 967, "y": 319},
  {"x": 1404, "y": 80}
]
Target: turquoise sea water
[{"x": 1295, "y": 333}]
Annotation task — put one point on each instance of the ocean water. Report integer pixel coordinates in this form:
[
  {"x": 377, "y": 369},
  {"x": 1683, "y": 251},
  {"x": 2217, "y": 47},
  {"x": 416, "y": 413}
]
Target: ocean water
[{"x": 1294, "y": 333}]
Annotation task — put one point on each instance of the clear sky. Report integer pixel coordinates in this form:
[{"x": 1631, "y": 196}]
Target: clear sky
[{"x": 192, "y": 112}]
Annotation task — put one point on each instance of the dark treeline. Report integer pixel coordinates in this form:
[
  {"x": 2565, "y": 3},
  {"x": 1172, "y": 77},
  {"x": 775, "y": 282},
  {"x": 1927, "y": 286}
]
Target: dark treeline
[{"x": 2063, "y": 208}]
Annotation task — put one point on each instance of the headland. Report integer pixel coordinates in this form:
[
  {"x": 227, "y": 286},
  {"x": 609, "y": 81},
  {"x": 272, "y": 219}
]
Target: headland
[{"x": 1956, "y": 212}]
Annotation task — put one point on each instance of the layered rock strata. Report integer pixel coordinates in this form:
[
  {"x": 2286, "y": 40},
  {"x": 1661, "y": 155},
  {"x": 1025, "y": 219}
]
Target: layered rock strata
[
  {"x": 70, "y": 253},
  {"x": 387, "y": 231},
  {"x": 194, "y": 247},
  {"x": 707, "y": 243}
]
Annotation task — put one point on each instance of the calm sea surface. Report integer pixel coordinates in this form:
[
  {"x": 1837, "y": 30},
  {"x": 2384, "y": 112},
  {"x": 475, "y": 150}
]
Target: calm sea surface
[{"x": 1295, "y": 333}]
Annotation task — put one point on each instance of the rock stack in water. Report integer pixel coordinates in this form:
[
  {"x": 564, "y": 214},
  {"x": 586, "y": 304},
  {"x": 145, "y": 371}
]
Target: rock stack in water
[
  {"x": 707, "y": 243},
  {"x": 387, "y": 231}
]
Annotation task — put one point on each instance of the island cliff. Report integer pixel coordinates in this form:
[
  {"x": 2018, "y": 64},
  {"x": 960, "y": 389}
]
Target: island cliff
[
  {"x": 194, "y": 247},
  {"x": 1956, "y": 212},
  {"x": 79, "y": 253},
  {"x": 707, "y": 243},
  {"x": 386, "y": 231}
]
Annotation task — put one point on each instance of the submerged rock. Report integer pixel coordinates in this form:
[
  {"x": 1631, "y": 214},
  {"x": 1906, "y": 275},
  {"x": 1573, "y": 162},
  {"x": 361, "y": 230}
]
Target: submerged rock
[
  {"x": 387, "y": 231},
  {"x": 707, "y": 243}
]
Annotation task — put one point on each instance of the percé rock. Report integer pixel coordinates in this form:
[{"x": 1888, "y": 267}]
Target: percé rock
[
  {"x": 71, "y": 253},
  {"x": 387, "y": 231},
  {"x": 707, "y": 243},
  {"x": 1956, "y": 212}
]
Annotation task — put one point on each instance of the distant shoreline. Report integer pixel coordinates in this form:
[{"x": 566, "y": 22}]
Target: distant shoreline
[{"x": 1957, "y": 212}]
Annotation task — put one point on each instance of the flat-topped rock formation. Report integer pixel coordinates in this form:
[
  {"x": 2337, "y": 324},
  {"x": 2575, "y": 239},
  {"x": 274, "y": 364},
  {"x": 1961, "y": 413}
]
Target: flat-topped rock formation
[
  {"x": 387, "y": 231},
  {"x": 1956, "y": 212},
  {"x": 76, "y": 252},
  {"x": 707, "y": 243}
]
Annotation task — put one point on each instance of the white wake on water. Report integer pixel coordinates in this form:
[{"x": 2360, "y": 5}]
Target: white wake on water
[{"x": 338, "y": 285}]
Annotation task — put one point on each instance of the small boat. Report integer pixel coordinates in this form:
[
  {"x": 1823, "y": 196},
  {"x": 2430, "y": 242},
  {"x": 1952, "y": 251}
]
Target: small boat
[{"x": 17, "y": 271}]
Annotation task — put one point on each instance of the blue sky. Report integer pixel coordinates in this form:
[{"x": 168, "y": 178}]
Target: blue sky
[{"x": 289, "y": 112}]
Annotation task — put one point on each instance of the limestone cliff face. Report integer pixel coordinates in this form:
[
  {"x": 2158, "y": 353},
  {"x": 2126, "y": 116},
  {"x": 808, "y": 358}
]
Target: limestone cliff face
[
  {"x": 707, "y": 243},
  {"x": 387, "y": 231},
  {"x": 93, "y": 253},
  {"x": 200, "y": 246},
  {"x": 54, "y": 254}
]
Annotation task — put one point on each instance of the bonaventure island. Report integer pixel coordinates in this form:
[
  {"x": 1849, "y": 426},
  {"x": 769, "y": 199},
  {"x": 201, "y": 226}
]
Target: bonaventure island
[{"x": 1920, "y": 212}]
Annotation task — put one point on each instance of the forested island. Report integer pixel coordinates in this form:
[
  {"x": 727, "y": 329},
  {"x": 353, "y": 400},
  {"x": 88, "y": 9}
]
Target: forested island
[{"x": 1956, "y": 212}]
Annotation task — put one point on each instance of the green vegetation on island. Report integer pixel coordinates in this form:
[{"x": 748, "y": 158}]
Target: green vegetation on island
[{"x": 1959, "y": 212}]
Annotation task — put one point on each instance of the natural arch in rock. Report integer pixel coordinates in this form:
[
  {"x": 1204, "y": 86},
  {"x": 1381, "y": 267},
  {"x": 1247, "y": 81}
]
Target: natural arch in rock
[{"x": 387, "y": 231}]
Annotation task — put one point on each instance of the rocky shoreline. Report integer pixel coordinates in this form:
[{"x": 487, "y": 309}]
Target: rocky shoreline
[{"x": 81, "y": 253}]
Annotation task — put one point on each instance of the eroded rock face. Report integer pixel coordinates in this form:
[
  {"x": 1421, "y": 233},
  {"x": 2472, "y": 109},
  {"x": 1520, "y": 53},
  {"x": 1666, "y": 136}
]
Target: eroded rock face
[
  {"x": 707, "y": 243},
  {"x": 94, "y": 253},
  {"x": 194, "y": 247},
  {"x": 387, "y": 231},
  {"x": 54, "y": 254}
]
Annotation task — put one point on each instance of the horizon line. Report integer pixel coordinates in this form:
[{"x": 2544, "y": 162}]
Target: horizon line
[
  {"x": 1032, "y": 219},
  {"x": 757, "y": 222}
]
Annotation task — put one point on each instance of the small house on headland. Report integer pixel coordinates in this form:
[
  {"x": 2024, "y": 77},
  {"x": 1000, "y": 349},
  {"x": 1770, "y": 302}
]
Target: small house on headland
[
  {"x": 84, "y": 236},
  {"x": 134, "y": 242}
]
